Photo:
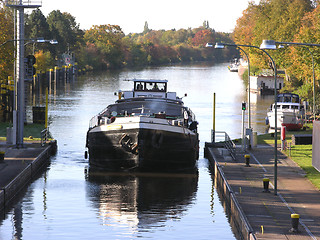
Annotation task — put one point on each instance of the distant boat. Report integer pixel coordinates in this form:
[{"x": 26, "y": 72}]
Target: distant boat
[
  {"x": 289, "y": 112},
  {"x": 234, "y": 65},
  {"x": 147, "y": 128}
]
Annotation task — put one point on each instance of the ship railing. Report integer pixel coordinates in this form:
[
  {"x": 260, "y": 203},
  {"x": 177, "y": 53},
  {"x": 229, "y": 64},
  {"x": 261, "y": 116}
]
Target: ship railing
[
  {"x": 224, "y": 138},
  {"x": 93, "y": 122}
]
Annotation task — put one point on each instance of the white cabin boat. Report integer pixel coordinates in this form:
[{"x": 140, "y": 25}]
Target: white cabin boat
[{"x": 290, "y": 112}]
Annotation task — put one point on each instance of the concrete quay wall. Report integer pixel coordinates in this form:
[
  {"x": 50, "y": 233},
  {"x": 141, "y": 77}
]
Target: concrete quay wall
[
  {"x": 236, "y": 215},
  {"x": 11, "y": 190}
]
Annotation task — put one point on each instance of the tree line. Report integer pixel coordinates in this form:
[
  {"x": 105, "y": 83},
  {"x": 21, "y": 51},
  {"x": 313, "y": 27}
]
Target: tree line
[
  {"x": 106, "y": 46},
  {"x": 284, "y": 21}
]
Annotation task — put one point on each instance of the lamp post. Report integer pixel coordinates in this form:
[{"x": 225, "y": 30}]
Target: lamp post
[
  {"x": 268, "y": 44},
  {"x": 221, "y": 46},
  {"x": 305, "y": 45},
  {"x": 52, "y": 41},
  {"x": 262, "y": 48}
]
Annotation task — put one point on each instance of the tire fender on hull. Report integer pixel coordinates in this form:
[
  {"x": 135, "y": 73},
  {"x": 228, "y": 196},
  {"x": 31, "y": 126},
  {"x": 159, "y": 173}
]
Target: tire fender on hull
[{"x": 127, "y": 143}]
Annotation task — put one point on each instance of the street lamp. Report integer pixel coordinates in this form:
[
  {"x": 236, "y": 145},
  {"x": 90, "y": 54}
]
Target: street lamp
[
  {"x": 219, "y": 45},
  {"x": 40, "y": 40},
  {"x": 272, "y": 43},
  {"x": 269, "y": 44}
]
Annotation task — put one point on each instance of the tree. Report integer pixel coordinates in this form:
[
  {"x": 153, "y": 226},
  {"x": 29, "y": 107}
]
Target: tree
[
  {"x": 205, "y": 25},
  {"x": 44, "y": 61},
  {"x": 146, "y": 28},
  {"x": 65, "y": 30},
  {"x": 36, "y": 27},
  {"x": 270, "y": 19},
  {"x": 7, "y": 50},
  {"x": 108, "y": 41},
  {"x": 202, "y": 37}
]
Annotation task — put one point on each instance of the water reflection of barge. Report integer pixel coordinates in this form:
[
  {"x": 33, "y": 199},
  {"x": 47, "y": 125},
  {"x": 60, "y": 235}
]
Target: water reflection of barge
[
  {"x": 141, "y": 200},
  {"x": 147, "y": 128}
]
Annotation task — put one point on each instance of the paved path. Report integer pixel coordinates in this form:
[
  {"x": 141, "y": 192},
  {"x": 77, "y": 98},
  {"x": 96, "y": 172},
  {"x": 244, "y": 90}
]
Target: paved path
[{"x": 270, "y": 215}]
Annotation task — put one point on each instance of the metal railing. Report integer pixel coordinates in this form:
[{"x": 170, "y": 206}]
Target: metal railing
[
  {"x": 223, "y": 137},
  {"x": 45, "y": 134}
]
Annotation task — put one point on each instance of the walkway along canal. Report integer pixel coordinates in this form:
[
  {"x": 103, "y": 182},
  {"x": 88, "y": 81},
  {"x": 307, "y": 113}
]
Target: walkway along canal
[
  {"x": 70, "y": 202},
  {"x": 257, "y": 213}
]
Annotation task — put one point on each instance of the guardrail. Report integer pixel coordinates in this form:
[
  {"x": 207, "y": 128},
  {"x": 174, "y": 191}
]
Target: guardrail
[
  {"x": 45, "y": 134},
  {"x": 223, "y": 137}
]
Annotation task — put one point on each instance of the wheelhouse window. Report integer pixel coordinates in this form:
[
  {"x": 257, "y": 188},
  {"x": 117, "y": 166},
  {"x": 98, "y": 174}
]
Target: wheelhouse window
[{"x": 150, "y": 86}]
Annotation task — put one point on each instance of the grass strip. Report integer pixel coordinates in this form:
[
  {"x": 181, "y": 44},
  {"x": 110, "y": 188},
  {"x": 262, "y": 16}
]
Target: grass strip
[
  {"x": 301, "y": 154},
  {"x": 30, "y": 130}
]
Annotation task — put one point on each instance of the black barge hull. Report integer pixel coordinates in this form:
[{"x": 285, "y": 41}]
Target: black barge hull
[{"x": 142, "y": 149}]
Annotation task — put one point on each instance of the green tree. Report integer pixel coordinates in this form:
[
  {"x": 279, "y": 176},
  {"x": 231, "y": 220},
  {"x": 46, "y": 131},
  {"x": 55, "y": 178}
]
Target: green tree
[
  {"x": 146, "y": 28},
  {"x": 65, "y": 30},
  {"x": 36, "y": 27}
]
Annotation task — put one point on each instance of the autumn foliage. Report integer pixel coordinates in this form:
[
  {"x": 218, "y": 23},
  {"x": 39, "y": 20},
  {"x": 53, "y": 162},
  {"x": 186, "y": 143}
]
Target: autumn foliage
[{"x": 284, "y": 21}]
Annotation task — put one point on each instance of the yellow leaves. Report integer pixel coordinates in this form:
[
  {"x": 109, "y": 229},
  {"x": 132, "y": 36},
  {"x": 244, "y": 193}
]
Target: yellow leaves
[{"x": 43, "y": 61}]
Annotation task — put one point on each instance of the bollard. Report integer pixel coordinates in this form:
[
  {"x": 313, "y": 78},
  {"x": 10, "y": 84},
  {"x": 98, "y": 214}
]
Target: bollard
[
  {"x": 247, "y": 159},
  {"x": 295, "y": 222},
  {"x": 266, "y": 185},
  {"x": 1, "y": 156}
]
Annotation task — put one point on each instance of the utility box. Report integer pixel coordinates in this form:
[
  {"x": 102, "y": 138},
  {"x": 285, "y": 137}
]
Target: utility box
[
  {"x": 315, "y": 145},
  {"x": 38, "y": 115}
]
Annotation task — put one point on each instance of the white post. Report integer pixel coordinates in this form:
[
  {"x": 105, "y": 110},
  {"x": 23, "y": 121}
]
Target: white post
[{"x": 243, "y": 133}]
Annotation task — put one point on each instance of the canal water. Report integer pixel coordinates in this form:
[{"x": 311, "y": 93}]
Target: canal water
[{"x": 69, "y": 201}]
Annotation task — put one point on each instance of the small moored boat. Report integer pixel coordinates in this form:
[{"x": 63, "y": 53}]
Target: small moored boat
[
  {"x": 290, "y": 112},
  {"x": 146, "y": 128},
  {"x": 234, "y": 65}
]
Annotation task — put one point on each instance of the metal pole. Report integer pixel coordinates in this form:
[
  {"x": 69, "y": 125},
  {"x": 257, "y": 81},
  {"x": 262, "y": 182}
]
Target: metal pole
[
  {"x": 46, "y": 117},
  {"x": 243, "y": 135},
  {"x": 275, "y": 125},
  {"x": 249, "y": 108},
  {"x": 314, "y": 86},
  {"x": 20, "y": 77},
  {"x": 214, "y": 118},
  {"x": 275, "y": 102}
]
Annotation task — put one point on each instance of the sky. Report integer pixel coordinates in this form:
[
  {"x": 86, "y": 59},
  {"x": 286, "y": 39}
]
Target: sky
[{"x": 131, "y": 15}]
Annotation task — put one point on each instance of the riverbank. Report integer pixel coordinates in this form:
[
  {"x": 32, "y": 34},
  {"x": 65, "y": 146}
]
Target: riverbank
[{"x": 261, "y": 215}]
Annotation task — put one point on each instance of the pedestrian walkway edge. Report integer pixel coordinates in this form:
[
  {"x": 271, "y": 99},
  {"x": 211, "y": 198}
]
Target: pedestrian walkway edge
[
  {"x": 11, "y": 190},
  {"x": 235, "y": 213}
]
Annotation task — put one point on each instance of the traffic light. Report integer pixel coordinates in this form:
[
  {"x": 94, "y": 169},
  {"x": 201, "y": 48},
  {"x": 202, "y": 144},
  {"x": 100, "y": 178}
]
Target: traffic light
[
  {"x": 30, "y": 60},
  {"x": 244, "y": 106}
]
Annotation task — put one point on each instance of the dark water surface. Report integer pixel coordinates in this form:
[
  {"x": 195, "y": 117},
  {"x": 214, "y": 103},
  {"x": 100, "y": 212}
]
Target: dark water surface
[{"x": 69, "y": 201}]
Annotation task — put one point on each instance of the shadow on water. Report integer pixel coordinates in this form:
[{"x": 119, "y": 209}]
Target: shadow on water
[{"x": 140, "y": 200}]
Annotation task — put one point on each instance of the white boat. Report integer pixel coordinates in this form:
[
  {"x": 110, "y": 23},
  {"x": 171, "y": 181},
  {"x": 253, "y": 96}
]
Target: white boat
[
  {"x": 146, "y": 128},
  {"x": 290, "y": 112},
  {"x": 234, "y": 65}
]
